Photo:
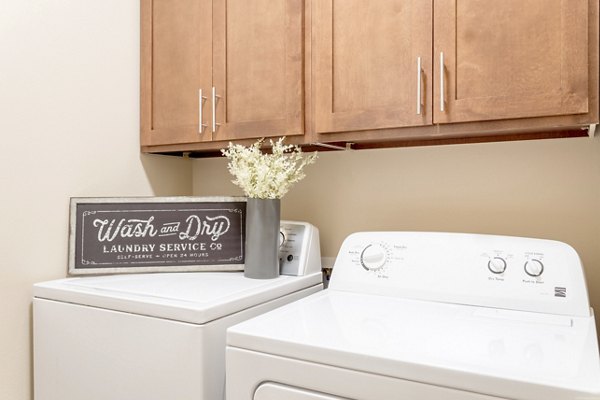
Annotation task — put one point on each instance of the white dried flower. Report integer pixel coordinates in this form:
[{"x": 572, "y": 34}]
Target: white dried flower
[{"x": 267, "y": 176}]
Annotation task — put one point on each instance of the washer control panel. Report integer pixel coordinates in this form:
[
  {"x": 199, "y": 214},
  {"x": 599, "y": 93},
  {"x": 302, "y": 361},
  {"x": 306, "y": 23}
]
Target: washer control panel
[
  {"x": 299, "y": 248},
  {"x": 495, "y": 271}
]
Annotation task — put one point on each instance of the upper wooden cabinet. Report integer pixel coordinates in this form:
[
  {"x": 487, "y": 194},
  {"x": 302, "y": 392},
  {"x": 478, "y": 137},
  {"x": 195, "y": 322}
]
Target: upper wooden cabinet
[
  {"x": 372, "y": 72},
  {"x": 258, "y": 65},
  {"x": 372, "y": 65},
  {"x": 496, "y": 61},
  {"x": 510, "y": 59},
  {"x": 176, "y": 64},
  {"x": 216, "y": 70}
]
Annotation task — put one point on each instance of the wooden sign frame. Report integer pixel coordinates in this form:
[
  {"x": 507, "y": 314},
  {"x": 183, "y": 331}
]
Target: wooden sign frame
[{"x": 156, "y": 234}]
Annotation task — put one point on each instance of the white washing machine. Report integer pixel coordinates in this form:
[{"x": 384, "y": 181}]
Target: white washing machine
[
  {"x": 428, "y": 316},
  {"x": 156, "y": 336}
]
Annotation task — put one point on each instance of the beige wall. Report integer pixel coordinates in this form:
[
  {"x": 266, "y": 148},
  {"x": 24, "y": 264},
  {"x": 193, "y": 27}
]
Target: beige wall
[
  {"x": 546, "y": 189},
  {"x": 69, "y": 109},
  {"x": 69, "y": 106}
]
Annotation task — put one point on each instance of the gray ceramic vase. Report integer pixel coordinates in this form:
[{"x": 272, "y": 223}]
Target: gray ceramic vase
[{"x": 262, "y": 238}]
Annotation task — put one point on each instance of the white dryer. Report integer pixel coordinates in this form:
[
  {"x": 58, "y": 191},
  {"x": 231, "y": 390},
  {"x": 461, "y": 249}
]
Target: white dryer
[
  {"x": 156, "y": 336},
  {"x": 428, "y": 316}
]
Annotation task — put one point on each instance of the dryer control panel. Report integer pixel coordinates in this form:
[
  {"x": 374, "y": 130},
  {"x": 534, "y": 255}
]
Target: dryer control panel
[
  {"x": 299, "y": 248},
  {"x": 493, "y": 271}
]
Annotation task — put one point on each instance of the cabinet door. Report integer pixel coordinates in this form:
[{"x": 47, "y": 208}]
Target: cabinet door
[
  {"x": 366, "y": 55},
  {"x": 258, "y": 68},
  {"x": 510, "y": 59},
  {"x": 176, "y": 64}
]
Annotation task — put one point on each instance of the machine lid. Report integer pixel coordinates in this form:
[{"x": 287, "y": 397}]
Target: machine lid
[
  {"x": 197, "y": 297},
  {"x": 503, "y": 353}
]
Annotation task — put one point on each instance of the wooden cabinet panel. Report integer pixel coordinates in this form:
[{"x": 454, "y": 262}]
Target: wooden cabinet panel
[
  {"x": 510, "y": 59},
  {"x": 250, "y": 51},
  {"x": 176, "y": 64},
  {"x": 365, "y": 68},
  {"x": 510, "y": 66},
  {"x": 258, "y": 68}
]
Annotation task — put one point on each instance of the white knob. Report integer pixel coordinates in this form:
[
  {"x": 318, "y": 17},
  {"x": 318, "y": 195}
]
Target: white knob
[
  {"x": 373, "y": 257},
  {"x": 281, "y": 238},
  {"x": 497, "y": 265},
  {"x": 534, "y": 267}
]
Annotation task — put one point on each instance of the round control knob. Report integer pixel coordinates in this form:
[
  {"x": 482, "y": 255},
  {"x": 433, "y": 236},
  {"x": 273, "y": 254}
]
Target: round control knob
[
  {"x": 534, "y": 268},
  {"x": 497, "y": 265},
  {"x": 281, "y": 238},
  {"x": 373, "y": 257}
]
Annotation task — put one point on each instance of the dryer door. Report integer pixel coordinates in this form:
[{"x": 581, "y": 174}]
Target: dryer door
[{"x": 274, "y": 391}]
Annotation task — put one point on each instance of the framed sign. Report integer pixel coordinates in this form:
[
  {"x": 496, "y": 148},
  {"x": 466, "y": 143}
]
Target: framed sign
[{"x": 156, "y": 234}]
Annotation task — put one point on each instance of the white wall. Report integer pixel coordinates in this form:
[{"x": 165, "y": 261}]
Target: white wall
[
  {"x": 69, "y": 123},
  {"x": 546, "y": 189}
]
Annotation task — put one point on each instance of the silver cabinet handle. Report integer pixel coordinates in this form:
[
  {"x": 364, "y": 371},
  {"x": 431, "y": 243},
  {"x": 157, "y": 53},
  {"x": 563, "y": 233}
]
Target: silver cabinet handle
[
  {"x": 419, "y": 90},
  {"x": 215, "y": 96},
  {"x": 201, "y": 100},
  {"x": 442, "y": 100}
]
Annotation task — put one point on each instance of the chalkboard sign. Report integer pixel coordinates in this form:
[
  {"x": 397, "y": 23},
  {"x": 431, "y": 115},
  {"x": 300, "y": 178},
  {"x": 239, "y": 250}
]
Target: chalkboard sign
[{"x": 157, "y": 234}]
